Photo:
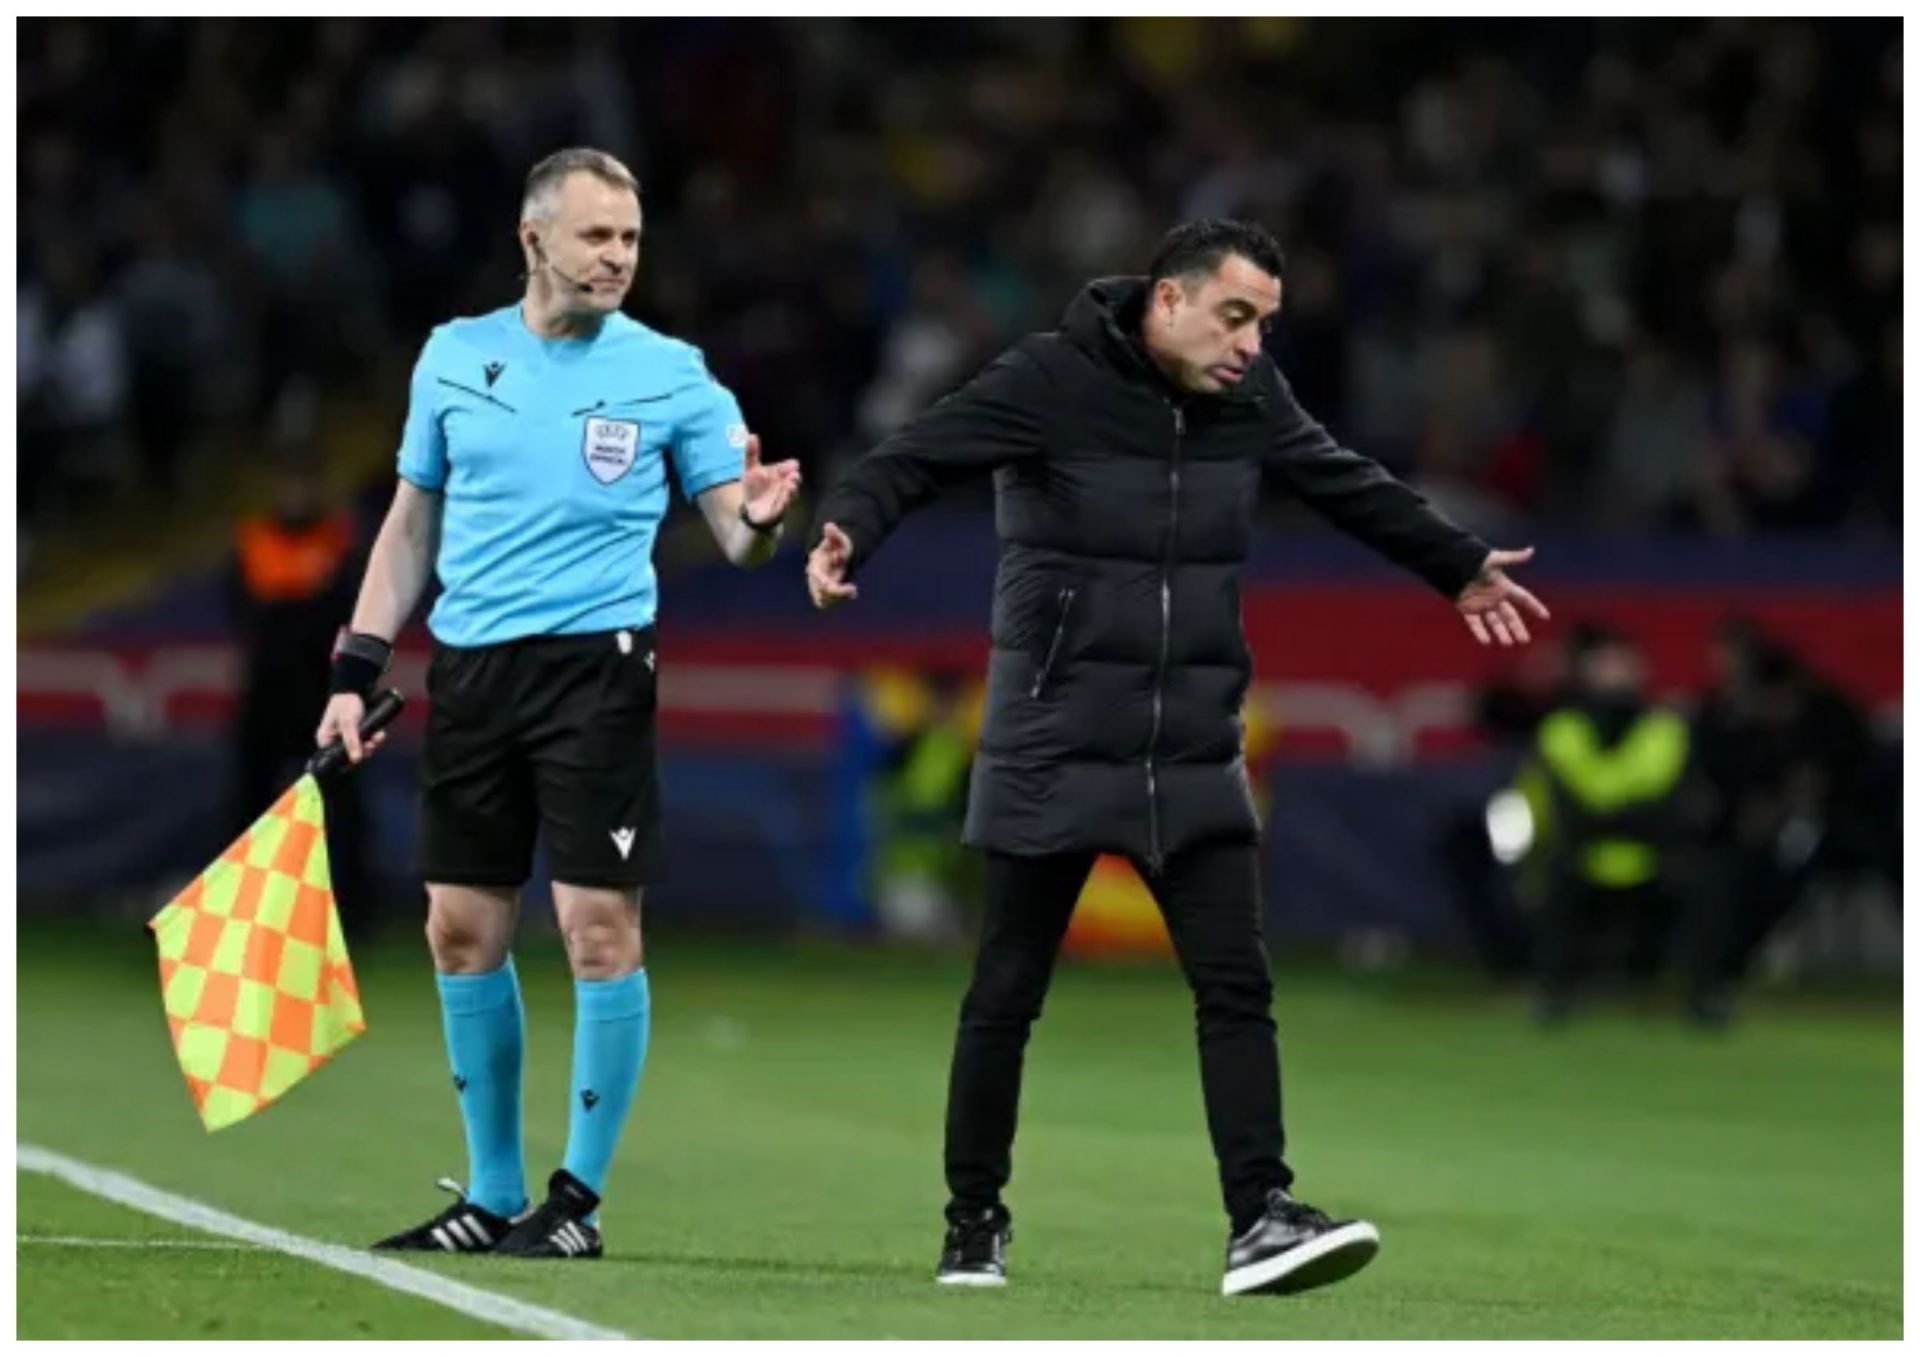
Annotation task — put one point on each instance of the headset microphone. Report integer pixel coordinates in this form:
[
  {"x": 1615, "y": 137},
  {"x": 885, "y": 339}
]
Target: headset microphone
[{"x": 540, "y": 250}]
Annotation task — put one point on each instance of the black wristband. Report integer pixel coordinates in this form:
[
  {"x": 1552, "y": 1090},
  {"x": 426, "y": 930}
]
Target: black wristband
[
  {"x": 764, "y": 529},
  {"x": 359, "y": 662}
]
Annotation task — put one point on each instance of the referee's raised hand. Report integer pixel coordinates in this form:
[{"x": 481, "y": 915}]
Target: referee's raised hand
[
  {"x": 827, "y": 570},
  {"x": 768, "y": 488}
]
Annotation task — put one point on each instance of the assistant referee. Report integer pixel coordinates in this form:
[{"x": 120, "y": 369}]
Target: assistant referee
[{"x": 533, "y": 476}]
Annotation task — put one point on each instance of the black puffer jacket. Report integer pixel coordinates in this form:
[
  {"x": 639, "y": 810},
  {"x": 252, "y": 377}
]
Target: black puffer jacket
[{"x": 1124, "y": 508}]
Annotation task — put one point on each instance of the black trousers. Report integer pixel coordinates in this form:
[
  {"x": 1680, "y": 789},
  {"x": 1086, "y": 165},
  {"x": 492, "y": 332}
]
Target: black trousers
[{"x": 1210, "y": 898}]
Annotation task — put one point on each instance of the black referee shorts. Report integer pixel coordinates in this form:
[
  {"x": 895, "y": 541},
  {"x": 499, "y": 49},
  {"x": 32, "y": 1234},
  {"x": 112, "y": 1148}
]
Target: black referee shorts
[{"x": 553, "y": 733}]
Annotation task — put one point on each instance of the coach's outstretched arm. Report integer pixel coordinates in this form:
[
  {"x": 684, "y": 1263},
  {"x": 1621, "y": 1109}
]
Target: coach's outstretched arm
[
  {"x": 1365, "y": 500},
  {"x": 397, "y": 571},
  {"x": 993, "y": 420}
]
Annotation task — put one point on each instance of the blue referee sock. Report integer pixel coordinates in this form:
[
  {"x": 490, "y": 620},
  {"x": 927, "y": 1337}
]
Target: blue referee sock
[
  {"x": 609, "y": 1048},
  {"x": 485, "y": 1037}
]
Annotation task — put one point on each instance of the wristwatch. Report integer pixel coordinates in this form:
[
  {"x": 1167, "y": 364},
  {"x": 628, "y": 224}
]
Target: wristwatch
[{"x": 764, "y": 529}]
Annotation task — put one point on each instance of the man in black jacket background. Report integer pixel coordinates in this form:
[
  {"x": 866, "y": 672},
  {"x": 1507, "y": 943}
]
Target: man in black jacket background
[{"x": 1127, "y": 449}]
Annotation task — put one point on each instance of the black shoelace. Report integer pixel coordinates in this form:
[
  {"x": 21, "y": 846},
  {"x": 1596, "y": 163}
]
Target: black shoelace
[
  {"x": 974, "y": 1241},
  {"x": 1298, "y": 1212}
]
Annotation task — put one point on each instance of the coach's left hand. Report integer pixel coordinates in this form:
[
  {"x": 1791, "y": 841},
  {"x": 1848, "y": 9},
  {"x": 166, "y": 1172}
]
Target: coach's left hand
[
  {"x": 769, "y": 489},
  {"x": 1489, "y": 598}
]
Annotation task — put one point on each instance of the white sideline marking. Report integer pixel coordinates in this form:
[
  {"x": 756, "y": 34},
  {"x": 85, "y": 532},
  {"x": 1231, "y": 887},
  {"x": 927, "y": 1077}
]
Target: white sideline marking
[
  {"x": 505, "y": 1311},
  {"x": 74, "y": 1241}
]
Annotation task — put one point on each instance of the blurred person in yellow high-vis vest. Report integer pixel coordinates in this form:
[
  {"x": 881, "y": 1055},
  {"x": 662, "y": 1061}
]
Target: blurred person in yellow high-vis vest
[{"x": 1602, "y": 785}]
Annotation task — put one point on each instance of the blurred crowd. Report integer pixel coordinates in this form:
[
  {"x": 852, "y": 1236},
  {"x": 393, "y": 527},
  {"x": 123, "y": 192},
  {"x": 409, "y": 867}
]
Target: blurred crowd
[
  {"x": 1669, "y": 838},
  {"x": 1611, "y": 275}
]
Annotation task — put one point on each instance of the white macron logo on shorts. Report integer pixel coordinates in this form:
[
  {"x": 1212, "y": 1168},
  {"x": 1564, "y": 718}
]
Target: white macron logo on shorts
[{"x": 623, "y": 840}]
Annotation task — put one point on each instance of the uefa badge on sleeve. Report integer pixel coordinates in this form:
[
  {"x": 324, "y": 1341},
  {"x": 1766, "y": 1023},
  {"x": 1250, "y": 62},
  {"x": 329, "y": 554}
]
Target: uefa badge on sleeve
[{"x": 610, "y": 447}]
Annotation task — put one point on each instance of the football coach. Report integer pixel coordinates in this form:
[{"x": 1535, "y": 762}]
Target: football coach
[{"x": 1127, "y": 449}]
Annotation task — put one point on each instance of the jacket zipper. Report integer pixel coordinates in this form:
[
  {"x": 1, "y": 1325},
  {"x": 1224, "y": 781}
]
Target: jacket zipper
[
  {"x": 1053, "y": 647},
  {"x": 1156, "y": 859}
]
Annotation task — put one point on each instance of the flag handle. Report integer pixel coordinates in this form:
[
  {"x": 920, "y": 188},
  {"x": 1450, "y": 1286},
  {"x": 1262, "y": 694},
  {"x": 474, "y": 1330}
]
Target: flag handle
[{"x": 378, "y": 717}]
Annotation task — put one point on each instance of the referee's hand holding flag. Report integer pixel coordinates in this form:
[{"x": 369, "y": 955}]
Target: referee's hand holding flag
[
  {"x": 360, "y": 661},
  {"x": 347, "y": 729},
  {"x": 366, "y": 731}
]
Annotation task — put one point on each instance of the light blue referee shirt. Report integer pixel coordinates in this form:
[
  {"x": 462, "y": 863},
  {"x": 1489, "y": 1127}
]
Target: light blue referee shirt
[{"x": 552, "y": 457}]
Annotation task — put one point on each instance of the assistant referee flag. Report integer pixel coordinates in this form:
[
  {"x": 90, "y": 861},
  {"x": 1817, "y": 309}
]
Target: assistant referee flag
[{"x": 254, "y": 971}]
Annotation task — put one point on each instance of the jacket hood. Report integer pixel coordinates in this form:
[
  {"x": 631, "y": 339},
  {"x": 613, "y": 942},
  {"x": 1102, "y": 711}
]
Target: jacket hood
[{"x": 1105, "y": 317}]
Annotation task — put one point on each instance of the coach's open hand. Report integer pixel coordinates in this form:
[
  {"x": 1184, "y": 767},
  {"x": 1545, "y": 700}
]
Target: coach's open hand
[
  {"x": 1487, "y": 601},
  {"x": 769, "y": 489},
  {"x": 827, "y": 569}
]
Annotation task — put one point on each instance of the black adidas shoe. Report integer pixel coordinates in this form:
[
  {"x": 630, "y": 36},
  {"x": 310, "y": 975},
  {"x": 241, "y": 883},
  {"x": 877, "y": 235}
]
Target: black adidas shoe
[
  {"x": 976, "y": 1248},
  {"x": 1294, "y": 1247},
  {"x": 558, "y": 1227},
  {"x": 461, "y": 1228}
]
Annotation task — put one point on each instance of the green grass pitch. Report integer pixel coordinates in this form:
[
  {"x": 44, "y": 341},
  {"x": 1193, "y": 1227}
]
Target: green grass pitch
[{"x": 780, "y": 1177}]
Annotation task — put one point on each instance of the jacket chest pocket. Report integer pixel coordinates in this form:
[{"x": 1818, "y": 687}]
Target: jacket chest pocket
[{"x": 1050, "y": 657}]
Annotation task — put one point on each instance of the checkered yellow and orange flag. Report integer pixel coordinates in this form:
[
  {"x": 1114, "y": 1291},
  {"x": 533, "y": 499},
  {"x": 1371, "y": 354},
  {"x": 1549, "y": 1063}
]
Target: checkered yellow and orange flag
[{"x": 254, "y": 971}]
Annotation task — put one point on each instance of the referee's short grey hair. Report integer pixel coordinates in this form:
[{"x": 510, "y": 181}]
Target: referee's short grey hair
[{"x": 542, "y": 195}]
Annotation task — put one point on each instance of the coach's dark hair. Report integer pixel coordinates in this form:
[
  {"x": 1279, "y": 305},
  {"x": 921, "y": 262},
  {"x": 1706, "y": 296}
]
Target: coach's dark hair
[
  {"x": 545, "y": 178},
  {"x": 1199, "y": 246}
]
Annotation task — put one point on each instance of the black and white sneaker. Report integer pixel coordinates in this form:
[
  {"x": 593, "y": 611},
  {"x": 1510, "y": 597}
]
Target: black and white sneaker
[
  {"x": 976, "y": 1249},
  {"x": 558, "y": 1227},
  {"x": 1294, "y": 1247},
  {"x": 461, "y": 1228}
]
